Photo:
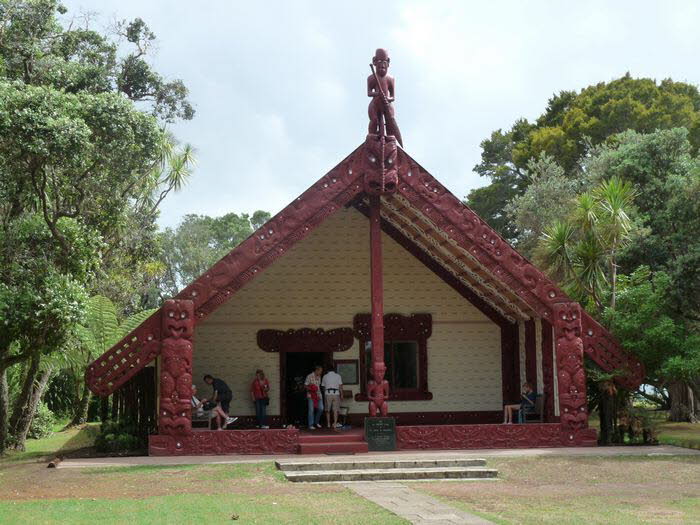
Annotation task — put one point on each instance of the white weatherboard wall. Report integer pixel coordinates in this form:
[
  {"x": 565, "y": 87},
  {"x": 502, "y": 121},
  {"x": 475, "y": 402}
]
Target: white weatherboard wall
[{"x": 322, "y": 282}]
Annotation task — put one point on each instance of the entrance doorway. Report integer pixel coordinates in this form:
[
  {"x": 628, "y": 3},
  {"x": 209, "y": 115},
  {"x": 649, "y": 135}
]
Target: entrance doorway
[{"x": 295, "y": 367}]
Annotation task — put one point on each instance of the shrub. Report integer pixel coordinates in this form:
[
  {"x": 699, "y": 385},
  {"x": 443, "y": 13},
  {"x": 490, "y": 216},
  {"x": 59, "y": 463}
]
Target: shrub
[
  {"x": 43, "y": 422},
  {"x": 116, "y": 437}
]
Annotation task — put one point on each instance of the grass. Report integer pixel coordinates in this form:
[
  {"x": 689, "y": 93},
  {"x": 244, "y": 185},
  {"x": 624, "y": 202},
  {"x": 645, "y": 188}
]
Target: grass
[
  {"x": 572, "y": 490},
  {"x": 680, "y": 434},
  {"x": 342, "y": 508},
  {"x": 686, "y": 435},
  {"x": 253, "y": 492},
  {"x": 60, "y": 442}
]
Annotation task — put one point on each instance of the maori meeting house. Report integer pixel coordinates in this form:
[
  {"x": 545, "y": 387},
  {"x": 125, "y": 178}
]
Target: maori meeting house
[{"x": 430, "y": 316}]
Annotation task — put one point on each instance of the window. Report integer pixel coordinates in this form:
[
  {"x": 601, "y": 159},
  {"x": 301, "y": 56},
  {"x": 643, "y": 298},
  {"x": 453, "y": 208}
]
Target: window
[
  {"x": 401, "y": 360},
  {"x": 405, "y": 355}
]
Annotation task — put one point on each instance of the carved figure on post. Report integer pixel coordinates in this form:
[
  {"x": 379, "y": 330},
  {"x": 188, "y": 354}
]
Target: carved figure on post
[
  {"x": 174, "y": 412},
  {"x": 378, "y": 391},
  {"x": 381, "y": 88},
  {"x": 570, "y": 371}
]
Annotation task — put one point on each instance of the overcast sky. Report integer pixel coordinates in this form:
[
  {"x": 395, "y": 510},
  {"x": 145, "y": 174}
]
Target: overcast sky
[{"x": 280, "y": 87}]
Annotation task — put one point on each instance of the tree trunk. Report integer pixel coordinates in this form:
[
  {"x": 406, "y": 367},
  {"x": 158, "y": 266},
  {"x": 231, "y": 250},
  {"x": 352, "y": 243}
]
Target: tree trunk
[
  {"x": 4, "y": 408},
  {"x": 81, "y": 410},
  {"x": 607, "y": 418},
  {"x": 25, "y": 420},
  {"x": 682, "y": 402},
  {"x": 22, "y": 402},
  {"x": 104, "y": 409}
]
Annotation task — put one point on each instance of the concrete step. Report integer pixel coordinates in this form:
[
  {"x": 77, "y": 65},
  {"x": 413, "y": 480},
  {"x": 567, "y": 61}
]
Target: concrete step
[
  {"x": 391, "y": 474},
  {"x": 335, "y": 447},
  {"x": 299, "y": 466},
  {"x": 336, "y": 437}
]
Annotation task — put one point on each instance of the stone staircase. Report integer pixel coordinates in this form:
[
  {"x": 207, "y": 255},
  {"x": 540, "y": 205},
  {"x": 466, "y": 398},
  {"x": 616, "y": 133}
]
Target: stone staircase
[
  {"x": 326, "y": 442},
  {"x": 385, "y": 470}
]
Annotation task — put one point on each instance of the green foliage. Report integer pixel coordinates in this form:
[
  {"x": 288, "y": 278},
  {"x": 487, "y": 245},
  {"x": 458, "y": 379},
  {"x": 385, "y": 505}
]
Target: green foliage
[
  {"x": 84, "y": 165},
  {"x": 643, "y": 322},
  {"x": 199, "y": 241},
  {"x": 667, "y": 179},
  {"x": 43, "y": 422},
  {"x": 549, "y": 197},
  {"x": 581, "y": 251},
  {"x": 118, "y": 438},
  {"x": 570, "y": 127}
]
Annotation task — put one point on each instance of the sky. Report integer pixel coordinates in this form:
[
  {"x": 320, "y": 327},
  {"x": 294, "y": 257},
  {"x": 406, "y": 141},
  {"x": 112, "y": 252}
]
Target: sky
[{"x": 280, "y": 87}]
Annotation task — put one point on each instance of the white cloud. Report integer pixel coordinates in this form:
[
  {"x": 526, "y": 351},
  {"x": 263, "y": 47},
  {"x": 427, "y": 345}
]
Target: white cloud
[{"x": 279, "y": 87}]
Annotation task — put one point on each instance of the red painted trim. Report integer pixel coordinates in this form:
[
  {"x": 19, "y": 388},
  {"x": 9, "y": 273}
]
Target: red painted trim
[
  {"x": 571, "y": 375},
  {"x": 397, "y": 327},
  {"x": 430, "y": 263},
  {"x": 306, "y": 340},
  {"x": 451, "y": 437},
  {"x": 377, "y": 291},
  {"x": 548, "y": 371},
  {"x": 510, "y": 376},
  {"x": 531, "y": 354},
  {"x": 214, "y": 442},
  {"x": 334, "y": 190},
  {"x": 439, "y": 418}
]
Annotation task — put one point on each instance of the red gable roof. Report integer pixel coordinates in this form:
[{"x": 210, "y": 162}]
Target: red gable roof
[{"x": 446, "y": 230}]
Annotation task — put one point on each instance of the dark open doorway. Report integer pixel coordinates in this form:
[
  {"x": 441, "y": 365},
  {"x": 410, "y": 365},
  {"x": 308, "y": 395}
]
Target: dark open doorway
[{"x": 295, "y": 367}]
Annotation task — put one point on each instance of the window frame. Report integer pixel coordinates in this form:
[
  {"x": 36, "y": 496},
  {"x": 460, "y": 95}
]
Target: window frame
[{"x": 397, "y": 328}]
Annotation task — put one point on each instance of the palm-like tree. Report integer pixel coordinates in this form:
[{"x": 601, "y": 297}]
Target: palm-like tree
[{"x": 581, "y": 252}]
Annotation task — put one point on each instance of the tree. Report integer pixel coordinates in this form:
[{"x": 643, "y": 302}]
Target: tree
[
  {"x": 571, "y": 125},
  {"x": 582, "y": 251},
  {"x": 549, "y": 196},
  {"x": 667, "y": 177},
  {"x": 199, "y": 241},
  {"x": 668, "y": 347},
  {"x": 84, "y": 164},
  {"x": 98, "y": 333}
]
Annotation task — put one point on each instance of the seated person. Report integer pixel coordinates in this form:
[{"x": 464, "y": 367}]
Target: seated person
[
  {"x": 197, "y": 405},
  {"x": 200, "y": 407},
  {"x": 527, "y": 403}
]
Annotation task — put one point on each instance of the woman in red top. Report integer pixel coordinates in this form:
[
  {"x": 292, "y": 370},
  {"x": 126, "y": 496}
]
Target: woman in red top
[{"x": 259, "y": 393}]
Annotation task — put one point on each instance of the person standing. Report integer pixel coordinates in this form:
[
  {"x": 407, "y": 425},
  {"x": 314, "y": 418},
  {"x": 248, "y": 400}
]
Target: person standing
[
  {"x": 333, "y": 385},
  {"x": 314, "y": 400},
  {"x": 259, "y": 392},
  {"x": 222, "y": 397}
]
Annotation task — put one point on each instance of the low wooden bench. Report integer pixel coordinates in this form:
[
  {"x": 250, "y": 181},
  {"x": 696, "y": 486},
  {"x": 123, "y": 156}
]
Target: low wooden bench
[{"x": 534, "y": 415}]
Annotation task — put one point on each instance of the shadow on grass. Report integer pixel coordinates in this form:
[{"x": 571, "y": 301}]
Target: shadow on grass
[{"x": 61, "y": 443}]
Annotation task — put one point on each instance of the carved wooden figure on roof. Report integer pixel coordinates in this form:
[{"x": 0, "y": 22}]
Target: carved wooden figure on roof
[{"x": 381, "y": 88}]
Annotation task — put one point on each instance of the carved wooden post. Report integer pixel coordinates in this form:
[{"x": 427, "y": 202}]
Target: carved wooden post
[
  {"x": 571, "y": 375},
  {"x": 174, "y": 411},
  {"x": 378, "y": 388}
]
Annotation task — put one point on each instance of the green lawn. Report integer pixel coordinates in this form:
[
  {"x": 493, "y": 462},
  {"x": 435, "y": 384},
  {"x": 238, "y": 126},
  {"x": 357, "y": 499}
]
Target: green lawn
[
  {"x": 253, "y": 492},
  {"x": 60, "y": 442},
  {"x": 340, "y": 507}
]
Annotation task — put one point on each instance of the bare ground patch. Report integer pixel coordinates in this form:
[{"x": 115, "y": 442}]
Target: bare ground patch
[{"x": 575, "y": 490}]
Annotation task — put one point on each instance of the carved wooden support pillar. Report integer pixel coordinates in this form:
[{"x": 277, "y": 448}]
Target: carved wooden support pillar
[
  {"x": 571, "y": 375},
  {"x": 378, "y": 387},
  {"x": 174, "y": 411}
]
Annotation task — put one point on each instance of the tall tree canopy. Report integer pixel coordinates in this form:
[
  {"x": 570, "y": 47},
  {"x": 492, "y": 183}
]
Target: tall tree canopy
[
  {"x": 570, "y": 126},
  {"x": 198, "y": 242},
  {"x": 84, "y": 163}
]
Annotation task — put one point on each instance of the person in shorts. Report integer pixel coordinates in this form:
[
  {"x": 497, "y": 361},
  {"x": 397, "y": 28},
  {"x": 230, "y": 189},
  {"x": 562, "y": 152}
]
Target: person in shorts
[
  {"x": 333, "y": 385},
  {"x": 222, "y": 396}
]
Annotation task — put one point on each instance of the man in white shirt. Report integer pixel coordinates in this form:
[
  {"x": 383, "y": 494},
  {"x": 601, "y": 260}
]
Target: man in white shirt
[{"x": 333, "y": 384}]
